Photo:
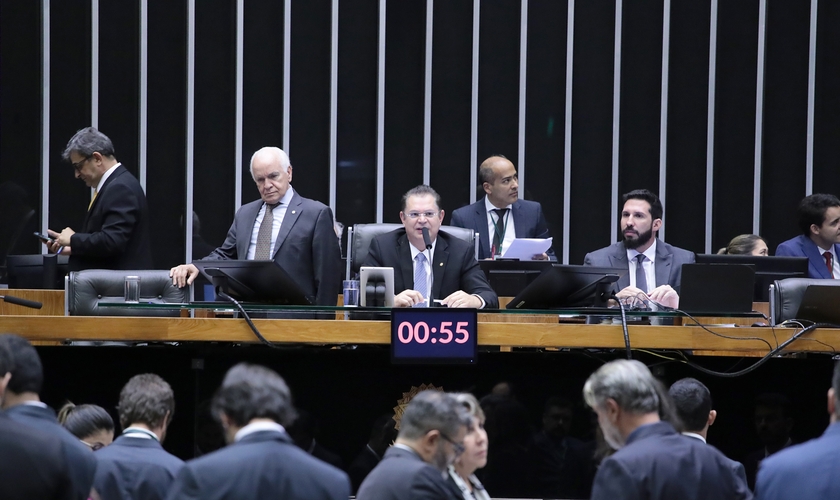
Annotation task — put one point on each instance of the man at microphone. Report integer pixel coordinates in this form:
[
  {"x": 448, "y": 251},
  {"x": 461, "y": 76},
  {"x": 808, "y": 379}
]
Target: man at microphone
[{"x": 438, "y": 269}]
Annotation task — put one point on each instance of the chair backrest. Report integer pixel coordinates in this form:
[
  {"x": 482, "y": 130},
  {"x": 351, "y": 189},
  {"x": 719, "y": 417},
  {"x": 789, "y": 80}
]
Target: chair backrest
[
  {"x": 86, "y": 289},
  {"x": 787, "y": 295},
  {"x": 361, "y": 235}
]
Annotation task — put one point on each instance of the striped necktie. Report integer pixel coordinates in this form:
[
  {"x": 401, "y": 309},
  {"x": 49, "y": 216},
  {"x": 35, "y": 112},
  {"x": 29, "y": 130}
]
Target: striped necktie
[{"x": 421, "y": 280}]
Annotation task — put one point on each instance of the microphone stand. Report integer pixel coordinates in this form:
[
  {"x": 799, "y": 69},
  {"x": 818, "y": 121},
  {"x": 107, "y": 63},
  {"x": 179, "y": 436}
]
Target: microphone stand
[{"x": 427, "y": 239}]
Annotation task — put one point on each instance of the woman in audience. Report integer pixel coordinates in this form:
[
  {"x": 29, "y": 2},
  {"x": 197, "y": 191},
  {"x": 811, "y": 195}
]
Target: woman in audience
[
  {"x": 90, "y": 423},
  {"x": 474, "y": 456},
  {"x": 746, "y": 244}
]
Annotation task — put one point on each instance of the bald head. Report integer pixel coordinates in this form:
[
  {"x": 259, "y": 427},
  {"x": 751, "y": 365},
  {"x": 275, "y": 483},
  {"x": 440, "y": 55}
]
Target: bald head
[{"x": 500, "y": 181}]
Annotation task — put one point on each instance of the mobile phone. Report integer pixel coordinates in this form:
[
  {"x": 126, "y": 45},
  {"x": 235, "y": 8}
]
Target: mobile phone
[{"x": 43, "y": 237}]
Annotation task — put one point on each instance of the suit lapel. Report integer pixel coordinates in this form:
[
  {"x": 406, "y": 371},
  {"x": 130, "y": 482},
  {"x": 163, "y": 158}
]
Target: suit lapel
[
  {"x": 810, "y": 249},
  {"x": 245, "y": 227},
  {"x": 117, "y": 172},
  {"x": 481, "y": 228},
  {"x": 439, "y": 266},
  {"x": 292, "y": 213},
  {"x": 662, "y": 264},
  {"x": 519, "y": 219},
  {"x": 404, "y": 255},
  {"x": 618, "y": 259}
]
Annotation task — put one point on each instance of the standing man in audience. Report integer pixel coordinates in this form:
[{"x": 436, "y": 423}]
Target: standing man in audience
[
  {"x": 807, "y": 470},
  {"x": 773, "y": 424},
  {"x": 382, "y": 434},
  {"x": 653, "y": 460},
  {"x": 453, "y": 276},
  {"x": 260, "y": 461},
  {"x": 136, "y": 465},
  {"x": 655, "y": 266},
  {"x": 282, "y": 225},
  {"x": 819, "y": 221},
  {"x": 562, "y": 462},
  {"x": 431, "y": 437},
  {"x": 115, "y": 234},
  {"x": 500, "y": 217},
  {"x": 22, "y": 403},
  {"x": 693, "y": 402}
]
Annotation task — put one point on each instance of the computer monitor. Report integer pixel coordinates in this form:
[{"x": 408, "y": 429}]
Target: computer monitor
[
  {"x": 509, "y": 277},
  {"x": 767, "y": 269},
  {"x": 253, "y": 281},
  {"x": 36, "y": 271},
  {"x": 568, "y": 286}
]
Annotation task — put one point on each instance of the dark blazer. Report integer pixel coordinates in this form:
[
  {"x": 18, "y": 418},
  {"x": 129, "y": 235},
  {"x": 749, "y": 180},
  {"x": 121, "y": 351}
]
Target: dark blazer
[
  {"x": 33, "y": 464},
  {"x": 668, "y": 263},
  {"x": 803, "y": 471},
  {"x": 80, "y": 460},
  {"x": 403, "y": 475},
  {"x": 528, "y": 220},
  {"x": 361, "y": 466},
  {"x": 306, "y": 246},
  {"x": 115, "y": 234},
  {"x": 802, "y": 246},
  {"x": 265, "y": 464},
  {"x": 454, "y": 267},
  {"x": 659, "y": 463},
  {"x": 133, "y": 468}
]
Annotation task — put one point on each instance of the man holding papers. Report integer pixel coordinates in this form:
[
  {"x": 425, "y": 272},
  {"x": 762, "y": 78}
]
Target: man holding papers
[{"x": 501, "y": 217}]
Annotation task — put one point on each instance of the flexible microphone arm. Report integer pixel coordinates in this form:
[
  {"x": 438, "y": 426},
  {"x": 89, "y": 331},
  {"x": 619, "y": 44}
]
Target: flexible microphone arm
[{"x": 21, "y": 302}]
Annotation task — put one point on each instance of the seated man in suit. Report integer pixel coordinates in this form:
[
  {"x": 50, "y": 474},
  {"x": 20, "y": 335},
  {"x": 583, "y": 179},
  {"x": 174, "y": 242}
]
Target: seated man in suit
[
  {"x": 432, "y": 431},
  {"x": 819, "y": 221},
  {"x": 655, "y": 266},
  {"x": 807, "y": 470},
  {"x": 261, "y": 460},
  {"x": 653, "y": 460},
  {"x": 501, "y": 216},
  {"x": 136, "y": 465},
  {"x": 693, "y": 403},
  {"x": 22, "y": 403},
  {"x": 454, "y": 275},
  {"x": 115, "y": 234},
  {"x": 294, "y": 231}
]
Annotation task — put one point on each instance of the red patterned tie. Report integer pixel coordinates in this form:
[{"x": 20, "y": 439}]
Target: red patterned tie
[{"x": 829, "y": 264}]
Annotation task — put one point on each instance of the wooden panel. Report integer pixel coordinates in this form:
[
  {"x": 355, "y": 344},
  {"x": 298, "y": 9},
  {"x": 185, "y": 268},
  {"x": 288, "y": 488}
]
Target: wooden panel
[{"x": 53, "y": 301}]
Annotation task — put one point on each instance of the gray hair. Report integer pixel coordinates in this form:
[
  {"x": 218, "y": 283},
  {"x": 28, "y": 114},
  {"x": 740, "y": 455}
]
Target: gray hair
[
  {"x": 279, "y": 155},
  {"x": 628, "y": 382},
  {"x": 88, "y": 141},
  {"x": 433, "y": 410},
  {"x": 470, "y": 404}
]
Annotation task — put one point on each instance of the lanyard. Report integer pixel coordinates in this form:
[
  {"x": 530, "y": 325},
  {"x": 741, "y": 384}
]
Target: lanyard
[{"x": 500, "y": 233}]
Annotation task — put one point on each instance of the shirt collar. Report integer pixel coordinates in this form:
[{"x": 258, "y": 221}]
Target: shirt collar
[
  {"x": 650, "y": 253},
  {"x": 139, "y": 432},
  {"x": 39, "y": 404},
  {"x": 489, "y": 206},
  {"x": 694, "y": 435},
  {"x": 258, "y": 427},
  {"x": 414, "y": 251},
  {"x": 824, "y": 250},
  {"x": 105, "y": 176}
]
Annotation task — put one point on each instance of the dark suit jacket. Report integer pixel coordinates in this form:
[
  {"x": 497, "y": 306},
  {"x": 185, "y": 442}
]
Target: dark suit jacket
[
  {"x": 659, "y": 463},
  {"x": 802, "y": 246},
  {"x": 115, "y": 234},
  {"x": 454, "y": 267},
  {"x": 668, "y": 263},
  {"x": 33, "y": 465},
  {"x": 133, "y": 468},
  {"x": 403, "y": 475},
  {"x": 803, "y": 471},
  {"x": 265, "y": 464},
  {"x": 80, "y": 460},
  {"x": 528, "y": 220},
  {"x": 361, "y": 466},
  {"x": 306, "y": 246}
]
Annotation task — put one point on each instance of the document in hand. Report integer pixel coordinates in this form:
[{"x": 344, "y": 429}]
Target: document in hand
[{"x": 526, "y": 248}]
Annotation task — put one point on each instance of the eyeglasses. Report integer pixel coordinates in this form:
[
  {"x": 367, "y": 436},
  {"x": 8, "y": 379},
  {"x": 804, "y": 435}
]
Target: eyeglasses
[
  {"x": 458, "y": 447},
  {"x": 416, "y": 215},
  {"x": 78, "y": 166},
  {"x": 94, "y": 447}
]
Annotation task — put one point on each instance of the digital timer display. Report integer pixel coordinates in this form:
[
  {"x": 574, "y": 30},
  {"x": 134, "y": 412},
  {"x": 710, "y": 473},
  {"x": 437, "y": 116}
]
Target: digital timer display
[{"x": 433, "y": 335}]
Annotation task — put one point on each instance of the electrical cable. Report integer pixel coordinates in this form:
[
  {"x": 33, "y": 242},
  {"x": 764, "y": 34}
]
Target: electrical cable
[{"x": 247, "y": 318}]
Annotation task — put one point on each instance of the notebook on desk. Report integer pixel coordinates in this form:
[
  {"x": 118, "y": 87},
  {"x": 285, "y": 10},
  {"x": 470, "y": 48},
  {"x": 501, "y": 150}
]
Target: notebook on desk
[{"x": 716, "y": 288}]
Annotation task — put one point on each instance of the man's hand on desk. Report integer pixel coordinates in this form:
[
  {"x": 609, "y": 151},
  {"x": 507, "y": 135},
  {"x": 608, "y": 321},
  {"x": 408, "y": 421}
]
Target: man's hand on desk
[
  {"x": 462, "y": 299},
  {"x": 540, "y": 256},
  {"x": 666, "y": 296},
  {"x": 407, "y": 298},
  {"x": 183, "y": 275}
]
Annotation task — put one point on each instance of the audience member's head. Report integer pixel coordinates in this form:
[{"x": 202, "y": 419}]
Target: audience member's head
[
  {"x": 499, "y": 180},
  {"x": 303, "y": 429},
  {"x": 252, "y": 393},
  {"x": 90, "y": 423},
  {"x": 833, "y": 395},
  {"x": 641, "y": 218},
  {"x": 475, "y": 442},
  {"x": 504, "y": 389},
  {"x": 693, "y": 403},
  {"x": 383, "y": 433},
  {"x": 147, "y": 401},
  {"x": 773, "y": 420},
  {"x": 27, "y": 374},
  {"x": 420, "y": 208},
  {"x": 506, "y": 420},
  {"x": 746, "y": 244},
  {"x": 819, "y": 219},
  {"x": 557, "y": 417},
  {"x": 434, "y": 425}
]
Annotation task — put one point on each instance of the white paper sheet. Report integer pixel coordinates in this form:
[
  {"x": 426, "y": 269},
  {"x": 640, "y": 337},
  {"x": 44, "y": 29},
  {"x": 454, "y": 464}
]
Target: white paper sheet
[{"x": 526, "y": 248}]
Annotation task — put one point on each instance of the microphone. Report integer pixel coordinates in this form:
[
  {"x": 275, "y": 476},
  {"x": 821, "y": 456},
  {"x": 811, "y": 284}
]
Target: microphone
[
  {"x": 21, "y": 302},
  {"x": 428, "y": 241},
  {"x": 426, "y": 238}
]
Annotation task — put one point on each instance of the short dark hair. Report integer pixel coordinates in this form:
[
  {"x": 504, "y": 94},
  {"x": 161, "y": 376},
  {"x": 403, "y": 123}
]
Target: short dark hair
[
  {"x": 85, "y": 420},
  {"x": 430, "y": 410},
  {"x": 420, "y": 190},
  {"x": 25, "y": 365},
  {"x": 648, "y": 196},
  {"x": 812, "y": 210},
  {"x": 253, "y": 391},
  {"x": 88, "y": 141},
  {"x": 485, "y": 170},
  {"x": 693, "y": 402},
  {"x": 743, "y": 244},
  {"x": 146, "y": 399}
]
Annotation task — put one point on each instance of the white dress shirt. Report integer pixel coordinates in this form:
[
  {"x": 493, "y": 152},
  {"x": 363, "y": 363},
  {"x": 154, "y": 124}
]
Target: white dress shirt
[
  {"x": 648, "y": 265},
  {"x": 834, "y": 264},
  {"x": 510, "y": 230},
  {"x": 279, "y": 213}
]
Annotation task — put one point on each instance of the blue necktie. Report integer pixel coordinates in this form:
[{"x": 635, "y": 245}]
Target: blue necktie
[
  {"x": 421, "y": 281},
  {"x": 641, "y": 280}
]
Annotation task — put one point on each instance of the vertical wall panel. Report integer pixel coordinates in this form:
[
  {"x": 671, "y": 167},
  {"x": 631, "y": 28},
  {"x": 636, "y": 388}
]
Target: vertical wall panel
[
  {"x": 827, "y": 100},
  {"x": 592, "y": 129}
]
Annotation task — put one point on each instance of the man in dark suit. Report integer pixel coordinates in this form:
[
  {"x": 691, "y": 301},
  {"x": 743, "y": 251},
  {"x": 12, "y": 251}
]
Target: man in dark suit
[
  {"x": 22, "y": 404},
  {"x": 115, "y": 234},
  {"x": 693, "y": 403},
  {"x": 660, "y": 272},
  {"x": 261, "y": 461},
  {"x": 454, "y": 275},
  {"x": 653, "y": 460},
  {"x": 382, "y": 435},
  {"x": 807, "y": 470},
  {"x": 135, "y": 465},
  {"x": 562, "y": 463},
  {"x": 819, "y": 221},
  {"x": 298, "y": 233},
  {"x": 501, "y": 216},
  {"x": 431, "y": 436}
]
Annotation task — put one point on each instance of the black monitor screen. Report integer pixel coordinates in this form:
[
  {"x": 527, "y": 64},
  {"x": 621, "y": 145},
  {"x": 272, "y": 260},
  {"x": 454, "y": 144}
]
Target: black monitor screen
[
  {"x": 36, "y": 271},
  {"x": 767, "y": 269},
  {"x": 509, "y": 277},
  {"x": 567, "y": 286},
  {"x": 253, "y": 281}
]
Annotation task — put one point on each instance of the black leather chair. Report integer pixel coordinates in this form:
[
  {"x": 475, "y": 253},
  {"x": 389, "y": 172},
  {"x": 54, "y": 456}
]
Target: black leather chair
[
  {"x": 360, "y": 236},
  {"x": 85, "y": 290},
  {"x": 786, "y": 296}
]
